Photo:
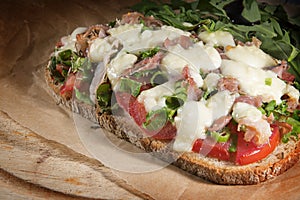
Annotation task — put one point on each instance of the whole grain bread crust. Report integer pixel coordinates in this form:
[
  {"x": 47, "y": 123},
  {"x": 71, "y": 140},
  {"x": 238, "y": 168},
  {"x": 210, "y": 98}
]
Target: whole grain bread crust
[
  {"x": 69, "y": 101},
  {"x": 221, "y": 172}
]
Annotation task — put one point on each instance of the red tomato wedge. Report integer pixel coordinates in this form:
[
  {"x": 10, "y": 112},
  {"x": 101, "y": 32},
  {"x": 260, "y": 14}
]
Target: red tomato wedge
[
  {"x": 131, "y": 105},
  {"x": 69, "y": 84},
  {"x": 218, "y": 150},
  {"x": 168, "y": 132},
  {"x": 138, "y": 112},
  {"x": 248, "y": 152}
]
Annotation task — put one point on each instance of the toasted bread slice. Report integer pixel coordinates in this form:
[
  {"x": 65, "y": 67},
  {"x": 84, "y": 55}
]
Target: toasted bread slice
[
  {"x": 222, "y": 172},
  {"x": 77, "y": 106},
  {"x": 211, "y": 169}
]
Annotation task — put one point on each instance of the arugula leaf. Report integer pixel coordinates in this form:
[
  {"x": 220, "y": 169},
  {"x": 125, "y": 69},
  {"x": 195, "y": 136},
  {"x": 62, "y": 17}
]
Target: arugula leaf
[
  {"x": 58, "y": 77},
  {"x": 278, "y": 32},
  {"x": 178, "y": 98},
  {"x": 104, "y": 96},
  {"x": 83, "y": 97},
  {"x": 149, "y": 53},
  {"x": 158, "y": 78},
  {"x": 155, "y": 120},
  {"x": 251, "y": 11},
  {"x": 130, "y": 86}
]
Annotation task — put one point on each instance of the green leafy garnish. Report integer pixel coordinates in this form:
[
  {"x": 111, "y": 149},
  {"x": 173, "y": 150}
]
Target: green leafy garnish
[
  {"x": 58, "y": 77},
  {"x": 178, "y": 98},
  {"x": 233, "y": 143},
  {"x": 279, "y": 110},
  {"x": 129, "y": 86},
  {"x": 158, "y": 78},
  {"x": 155, "y": 120},
  {"x": 104, "y": 96},
  {"x": 149, "y": 53},
  {"x": 83, "y": 97},
  {"x": 219, "y": 136},
  {"x": 278, "y": 32},
  {"x": 268, "y": 81}
]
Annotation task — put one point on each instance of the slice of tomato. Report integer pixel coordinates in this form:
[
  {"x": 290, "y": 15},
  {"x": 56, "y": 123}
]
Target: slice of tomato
[
  {"x": 217, "y": 150},
  {"x": 248, "y": 152},
  {"x": 68, "y": 85},
  {"x": 138, "y": 112},
  {"x": 168, "y": 132},
  {"x": 131, "y": 105}
]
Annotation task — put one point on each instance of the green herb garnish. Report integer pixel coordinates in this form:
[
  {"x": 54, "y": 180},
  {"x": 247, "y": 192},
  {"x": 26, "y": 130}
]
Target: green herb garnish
[
  {"x": 129, "y": 86},
  {"x": 278, "y": 32},
  {"x": 149, "y": 53}
]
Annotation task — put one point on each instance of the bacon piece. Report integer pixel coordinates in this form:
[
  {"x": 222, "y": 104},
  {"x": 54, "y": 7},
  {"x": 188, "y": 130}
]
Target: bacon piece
[
  {"x": 193, "y": 92},
  {"x": 292, "y": 104},
  {"x": 256, "y": 131},
  {"x": 93, "y": 32},
  {"x": 222, "y": 53},
  {"x": 228, "y": 83},
  {"x": 148, "y": 63},
  {"x": 183, "y": 41},
  {"x": 255, "y": 101},
  {"x": 284, "y": 127},
  {"x": 220, "y": 123},
  {"x": 282, "y": 73},
  {"x": 136, "y": 18},
  {"x": 131, "y": 18},
  {"x": 152, "y": 22}
]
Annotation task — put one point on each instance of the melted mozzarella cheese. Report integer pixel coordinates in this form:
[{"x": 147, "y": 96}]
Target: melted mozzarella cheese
[
  {"x": 174, "y": 64},
  {"x": 245, "y": 111},
  {"x": 117, "y": 65},
  {"x": 250, "y": 116},
  {"x": 220, "y": 104},
  {"x": 155, "y": 97},
  {"x": 292, "y": 92},
  {"x": 210, "y": 82},
  {"x": 253, "y": 80},
  {"x": 198, "y": 56},
  {"x": 70, "y": 40},
  {"x": 250, "y": 55},
  {"x": 134, "y": 39},
  {"x": 126, "y": 28},
  {"x": 195, "y": 117},
  {"x": 191, "y": 123},
  {"x": 98, "y": 49},
  {"x": 217, "y": 38}
]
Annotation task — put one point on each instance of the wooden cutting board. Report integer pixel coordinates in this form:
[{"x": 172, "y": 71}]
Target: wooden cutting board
[{"x": 42, "y": 156}]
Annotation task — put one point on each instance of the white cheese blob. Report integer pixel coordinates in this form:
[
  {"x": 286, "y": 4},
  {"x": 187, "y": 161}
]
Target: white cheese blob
[
  {"x": 98, "y": 49},
  {"x": 245, "y": 111},
  {"x": 250, "y": 55},
  {"x": 210, "y": 82},
  {"x": 253, "y": 80},
  {"x": 174, "y": 64},
  {"x": 220, "y": 104},
  {"x": 126, "y": 28},
  {"x": 292, "y": 92},
  {"x": 154, "y": 98},
  {"x": 134, "y": 39},
  {"x": 117, "y": 66},
  {"x": 198, "y": 56},
  {"x": 70, "y": 40},
  {"x": 250, "y": 116},
  {"x": 217, "y": 38},
  {"x": 191, "y": 123}
]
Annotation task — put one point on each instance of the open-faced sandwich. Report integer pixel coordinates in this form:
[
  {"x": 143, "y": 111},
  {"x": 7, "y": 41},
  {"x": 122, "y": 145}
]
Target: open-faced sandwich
[{"x": 217, "y": 107}]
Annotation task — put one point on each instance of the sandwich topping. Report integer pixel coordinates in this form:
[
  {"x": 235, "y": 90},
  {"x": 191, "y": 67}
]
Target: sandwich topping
[{"x": 205, "y": 91}]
